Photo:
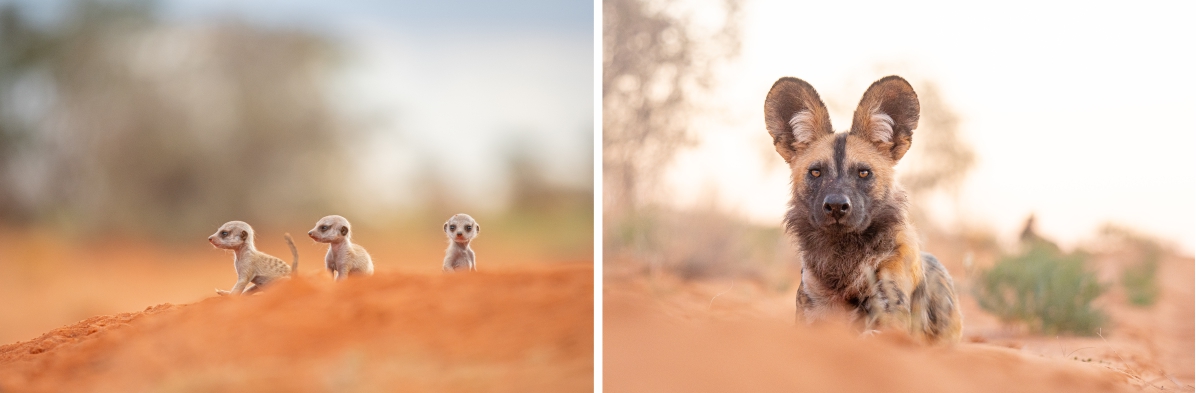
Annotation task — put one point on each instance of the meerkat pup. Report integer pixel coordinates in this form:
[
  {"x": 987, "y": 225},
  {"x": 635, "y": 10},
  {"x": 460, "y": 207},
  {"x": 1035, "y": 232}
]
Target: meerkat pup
[
  {"x": 344, "y": 258},
  {"x": 254, "y": 267},
  {"x": 461, "y": 229}
]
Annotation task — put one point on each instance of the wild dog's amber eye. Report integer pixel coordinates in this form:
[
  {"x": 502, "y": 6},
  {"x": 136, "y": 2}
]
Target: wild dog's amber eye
[
  {"x": 815, "y": 172},
  {"x": 864, "y": 173}
]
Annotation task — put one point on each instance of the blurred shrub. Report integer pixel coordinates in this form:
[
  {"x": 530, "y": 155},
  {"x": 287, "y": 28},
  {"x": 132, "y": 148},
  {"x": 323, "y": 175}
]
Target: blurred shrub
[
  {"x": 1141, "y": 288},
  {"x": 1142, "y": 254},
  {"x": 1050, "y": 291}
]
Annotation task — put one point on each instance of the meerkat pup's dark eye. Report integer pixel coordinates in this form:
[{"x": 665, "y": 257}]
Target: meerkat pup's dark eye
[
  {"x": 452, "y": 227},
  {"x": 468, "y": 228},
  {"x": 223, "y": 233},
  {"x": 323, "y": 228},
  {"x": 815, "y": 172},
  {"x": 864, "y": 173}
]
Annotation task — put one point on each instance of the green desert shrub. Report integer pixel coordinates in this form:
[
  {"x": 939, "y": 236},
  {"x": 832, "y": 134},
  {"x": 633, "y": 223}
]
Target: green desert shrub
[
  {"x": 1049, "y": 291},
  {"x": 1141, "y": 287},
  {"x": 1139, "y": 277}
]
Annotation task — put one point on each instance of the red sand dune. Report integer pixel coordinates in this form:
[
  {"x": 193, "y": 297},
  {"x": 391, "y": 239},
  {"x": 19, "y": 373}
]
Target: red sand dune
[
  {"x": 526, "y": 329},
  {"x": 647, "y": 350}
]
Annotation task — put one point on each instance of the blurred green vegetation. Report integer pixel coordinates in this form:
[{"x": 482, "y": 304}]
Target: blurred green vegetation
[
  {"x": 1143, "y": 255},
  {"x": 1048, "y": 290},
  {"x": 1141, "y": 287}
]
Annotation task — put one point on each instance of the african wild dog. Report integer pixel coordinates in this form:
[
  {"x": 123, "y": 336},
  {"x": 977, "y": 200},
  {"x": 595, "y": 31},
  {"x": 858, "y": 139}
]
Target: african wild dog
[{"x": 848, "y": 214}]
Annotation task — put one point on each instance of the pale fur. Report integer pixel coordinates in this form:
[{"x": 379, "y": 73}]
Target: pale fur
[
  {"x": 461, "y": 229},
  {"x": 344, "y": 258},
  {"x": 881, "y": 126},
  {"x": 803, "y": 126},
  {"x": 255, "y": 269}
]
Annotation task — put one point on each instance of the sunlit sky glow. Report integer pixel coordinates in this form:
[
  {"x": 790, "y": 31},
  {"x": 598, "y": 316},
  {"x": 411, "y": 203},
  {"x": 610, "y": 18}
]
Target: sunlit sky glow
[{"x": 1078, "y": 113}]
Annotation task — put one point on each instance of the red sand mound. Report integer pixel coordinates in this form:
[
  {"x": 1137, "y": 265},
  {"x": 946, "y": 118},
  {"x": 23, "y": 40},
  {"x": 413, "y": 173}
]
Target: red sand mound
[
  {"x": 521, "y": 330},
  {"x": 651, "y": 345}
]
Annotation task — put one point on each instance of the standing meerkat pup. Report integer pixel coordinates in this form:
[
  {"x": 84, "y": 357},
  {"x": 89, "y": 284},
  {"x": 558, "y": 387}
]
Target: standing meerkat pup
[
  {"x": 461, "y": 229},
  {"x": 344, "y": 258},
  {"x": 253, "y": 267}
]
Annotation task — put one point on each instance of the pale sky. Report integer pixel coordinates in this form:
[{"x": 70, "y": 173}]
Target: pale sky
[
  {"x": 448, "y": 87},
  {"x": 1079, "y": 113}
]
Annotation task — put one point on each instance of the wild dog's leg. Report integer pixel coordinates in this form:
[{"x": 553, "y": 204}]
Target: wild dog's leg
[
  {"x": 892, "y": 286},
  {"x": 813, "y": 303},
  {"x": 803, "y": 300},
  {"x": 935, "y": 305}
]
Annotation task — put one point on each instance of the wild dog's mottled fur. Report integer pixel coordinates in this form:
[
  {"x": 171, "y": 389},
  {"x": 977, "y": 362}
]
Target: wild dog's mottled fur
[{"x": 848, "y": 215}]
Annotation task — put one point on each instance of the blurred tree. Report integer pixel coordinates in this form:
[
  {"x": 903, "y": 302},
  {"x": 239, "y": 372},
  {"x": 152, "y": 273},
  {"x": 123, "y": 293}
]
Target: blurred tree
[
  {"x": 655, "y": 61},
  {"x": 939, "y": 160},
  {"x": 944, "y": 158},
  {"x": 532, "y": 189},
  {"x": 160, "y": 129}
]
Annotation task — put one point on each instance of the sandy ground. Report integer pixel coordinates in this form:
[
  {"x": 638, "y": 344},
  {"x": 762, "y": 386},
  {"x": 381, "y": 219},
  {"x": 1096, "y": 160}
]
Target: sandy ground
[
  {"x": 662, "y": 334},
  {"x": 517, "y": 325}
]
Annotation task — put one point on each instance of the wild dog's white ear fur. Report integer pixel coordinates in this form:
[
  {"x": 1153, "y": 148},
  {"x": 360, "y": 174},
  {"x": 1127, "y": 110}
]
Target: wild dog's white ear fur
[
  {"x": 887, "y": 116},
  {"x": 881, "y": 128},
  {"x": 803, "y": 127},
  {"x": 795, "y": 116}
]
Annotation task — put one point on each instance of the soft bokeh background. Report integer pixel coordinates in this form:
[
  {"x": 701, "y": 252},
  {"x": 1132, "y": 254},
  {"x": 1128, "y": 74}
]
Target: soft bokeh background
[
  {"x": 1075, "y": 115},
  {"x": 130, "y": 130}
]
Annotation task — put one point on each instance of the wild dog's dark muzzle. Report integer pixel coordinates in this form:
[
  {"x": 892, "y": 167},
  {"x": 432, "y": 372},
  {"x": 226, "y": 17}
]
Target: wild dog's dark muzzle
[{"x": 836, "y": 206}]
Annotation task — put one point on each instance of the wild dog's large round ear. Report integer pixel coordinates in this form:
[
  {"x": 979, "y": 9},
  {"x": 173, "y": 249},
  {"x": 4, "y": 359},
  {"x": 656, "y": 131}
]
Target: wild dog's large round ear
[
  {"x": 795, "y": 116},
  {"x": 887, "y": 116}
]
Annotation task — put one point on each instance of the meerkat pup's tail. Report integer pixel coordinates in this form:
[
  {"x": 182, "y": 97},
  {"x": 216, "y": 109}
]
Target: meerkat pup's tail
[{"x": 294, "y": 255}]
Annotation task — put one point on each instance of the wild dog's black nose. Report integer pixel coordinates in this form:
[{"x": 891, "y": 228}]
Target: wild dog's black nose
[{"x": 836, "y": 205}]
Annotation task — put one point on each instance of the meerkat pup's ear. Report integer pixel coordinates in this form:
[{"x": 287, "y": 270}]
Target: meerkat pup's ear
[
  {"x": 795, "y": 116},
  {"x": 345, "y": 230},
  {"x": 887, "y": 116},
  {"x": 446, "y": 226},
  {"x": 477, "y": 228},
  {"x": 244, "y": 235}
]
